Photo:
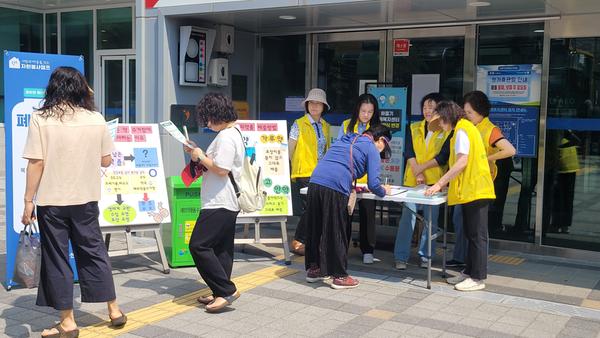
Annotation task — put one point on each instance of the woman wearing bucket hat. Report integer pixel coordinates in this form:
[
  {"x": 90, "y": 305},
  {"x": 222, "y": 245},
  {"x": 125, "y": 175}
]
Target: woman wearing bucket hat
[
  {"x": 365, "y": 115},
  {"x": 308, "y": 142}
]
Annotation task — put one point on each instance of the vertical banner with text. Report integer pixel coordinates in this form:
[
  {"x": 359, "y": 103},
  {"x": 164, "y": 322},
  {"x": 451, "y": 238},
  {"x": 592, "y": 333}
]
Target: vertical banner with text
[
  {"x": 392, "y": 106},
  {"x": 25, "y": 78}
]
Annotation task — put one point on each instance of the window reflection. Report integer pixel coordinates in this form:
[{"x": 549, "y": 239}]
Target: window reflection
[
  {"x": 572, "y": 168},
  {"x": 512, "y": 215}
]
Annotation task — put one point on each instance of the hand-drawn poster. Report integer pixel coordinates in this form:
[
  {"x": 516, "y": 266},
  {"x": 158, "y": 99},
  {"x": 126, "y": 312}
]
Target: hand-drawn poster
[
  {"x": 133, "y": 187},
  {"x": 267, "y": 141}
]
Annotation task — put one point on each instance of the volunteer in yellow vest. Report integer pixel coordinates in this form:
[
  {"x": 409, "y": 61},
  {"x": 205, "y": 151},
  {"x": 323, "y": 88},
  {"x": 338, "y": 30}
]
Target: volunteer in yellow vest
[
  {"x": 477, "y": 109},
  {"x": 427, "y": 152},
  {"x": 308, "y": 142},
  {"x": 471, "y": 187},
  {"x": 365, "y": 115},
  {"x": 564, "y": 193}
]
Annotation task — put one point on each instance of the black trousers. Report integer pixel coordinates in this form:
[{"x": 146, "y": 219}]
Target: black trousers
[
  {"x": 78, "y": 223},
  {"x": 366, "y": 213},
  {"x": 327, "y": 231},
  {"x": 211, "y": 246},
  {"x": 564, "y": 194},
  {"x": 501, "y": 184},
  {"x": 475, "y": 217},
  {"x": 300, "y": 234}
]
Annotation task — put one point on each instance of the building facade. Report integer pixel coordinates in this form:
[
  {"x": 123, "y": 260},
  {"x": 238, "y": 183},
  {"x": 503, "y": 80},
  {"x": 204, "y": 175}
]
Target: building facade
[{"x": 283, "y": 48}]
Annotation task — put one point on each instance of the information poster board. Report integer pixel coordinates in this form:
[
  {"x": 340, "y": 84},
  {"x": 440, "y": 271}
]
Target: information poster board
[
  {"x": 392, "y": 106},
  {"x": 133, "y": 188},
  {"x": 26, "y": 76},
  {"x": 267, "y": 141},
  {"x": 514, "y": 91}
]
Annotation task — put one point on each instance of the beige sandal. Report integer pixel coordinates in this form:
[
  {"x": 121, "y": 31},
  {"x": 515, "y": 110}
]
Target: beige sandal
[
  {"x": 206, "y": 299},
  {"x": 215, "y": 307}
]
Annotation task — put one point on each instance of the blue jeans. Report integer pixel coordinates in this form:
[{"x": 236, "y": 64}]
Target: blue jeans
[
  {"x": 460, "y": 244},
  {"x": 407, "y": 226}
]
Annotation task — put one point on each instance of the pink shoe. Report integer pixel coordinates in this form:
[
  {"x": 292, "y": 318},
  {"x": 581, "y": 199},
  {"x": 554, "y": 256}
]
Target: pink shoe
[
  {"x": 314, "y": 275},
  {"x": 344, "y": 283}
]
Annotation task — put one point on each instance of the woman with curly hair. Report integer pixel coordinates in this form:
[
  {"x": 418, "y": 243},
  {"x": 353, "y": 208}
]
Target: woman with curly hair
[
  {"x": 67, "y": 143},
  {"x": 211, "y": 244}
]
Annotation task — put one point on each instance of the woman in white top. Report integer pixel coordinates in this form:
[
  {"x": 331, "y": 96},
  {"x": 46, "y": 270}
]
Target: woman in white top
[
  {"x": 211, "y": 244},
  {"x": 67, "y": 143}
]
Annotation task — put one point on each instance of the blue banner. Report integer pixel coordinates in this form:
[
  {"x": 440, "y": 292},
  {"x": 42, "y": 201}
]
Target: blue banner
[
  {"x": 392, "y": 106},
  {"x": 26, "y": 76},
  {"x": 514, "y": 91}
]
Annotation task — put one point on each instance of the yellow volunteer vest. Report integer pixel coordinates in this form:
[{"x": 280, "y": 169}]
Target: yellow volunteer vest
[
  {"x": 568, "y": 161},
  {"x": 424, "y": 154},
  {"x": 305, "y": 156},
  {"x": 486, "y": 127},
  {"x": 475, "y": 181},
  {"x": 345, "y": 124}
]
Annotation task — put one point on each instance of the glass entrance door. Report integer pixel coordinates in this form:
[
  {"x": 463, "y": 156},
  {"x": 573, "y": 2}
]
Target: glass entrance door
[
  {"x": 571, "y": 204},
  {"x": 430, "y": 59},
  {"x": 344, "y": 62},
  {"x": 117, "y": 88}
]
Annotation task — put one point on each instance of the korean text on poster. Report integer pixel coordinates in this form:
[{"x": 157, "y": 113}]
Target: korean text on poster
[{"x": 266, "y": 141}]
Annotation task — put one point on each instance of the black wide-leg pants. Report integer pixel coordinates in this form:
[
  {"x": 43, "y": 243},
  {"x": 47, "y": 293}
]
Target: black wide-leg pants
[
  {"x": 327, "y": 231},
  {"x": 78, "y": 223},
  {"x": 211, "y": 246}
]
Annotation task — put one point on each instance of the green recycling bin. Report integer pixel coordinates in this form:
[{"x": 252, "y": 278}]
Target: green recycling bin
[{"x": 185, "y": 207}]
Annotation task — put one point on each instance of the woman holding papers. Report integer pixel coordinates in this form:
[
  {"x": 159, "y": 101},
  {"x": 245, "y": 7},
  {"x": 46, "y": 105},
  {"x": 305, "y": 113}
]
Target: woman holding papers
[
  {"x": 365, "y": 115},
  {"x": 211, "y": 243},
  {"x": 308, "y": 142},
  {"x": 471, "y": 187},
  {"x": 66, "y": 145},
  {"x": 426, "y": 151},
  {"x": 329, "y": 191},
  {"x": 477, "y": 110}
]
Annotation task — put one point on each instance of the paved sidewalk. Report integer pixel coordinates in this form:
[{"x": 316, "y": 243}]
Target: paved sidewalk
[{"x": 276, "y": 301}]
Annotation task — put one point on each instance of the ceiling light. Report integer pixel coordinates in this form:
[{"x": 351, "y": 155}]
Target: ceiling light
[
  {"x": 287, "y": 17},
  {"x": 50, "y": 5},
  {"x": 479, "y": 4},
  {"x": 538, "y": 31}
]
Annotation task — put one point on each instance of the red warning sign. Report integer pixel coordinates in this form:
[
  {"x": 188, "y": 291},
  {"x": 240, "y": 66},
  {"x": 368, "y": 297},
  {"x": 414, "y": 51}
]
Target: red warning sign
[{"x": 401, "y": 47}]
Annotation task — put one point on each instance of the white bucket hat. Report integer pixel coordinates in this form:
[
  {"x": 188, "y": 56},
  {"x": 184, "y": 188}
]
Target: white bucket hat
[{"x": 317, "y": 95}]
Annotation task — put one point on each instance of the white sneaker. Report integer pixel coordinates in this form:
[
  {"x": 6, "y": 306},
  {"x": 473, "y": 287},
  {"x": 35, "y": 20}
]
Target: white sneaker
[
  {"x": 400, "y": 265},
  {"x": 424, "y": 262},
  {"x": 457, "y": 279},
  {"x": 368, "y": 259},
  {"x": 470, "y": 284}
]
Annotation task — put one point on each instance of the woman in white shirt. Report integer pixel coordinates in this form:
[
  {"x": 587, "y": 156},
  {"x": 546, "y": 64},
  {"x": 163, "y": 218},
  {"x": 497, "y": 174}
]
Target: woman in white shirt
[{"x": 211, "y": 243}]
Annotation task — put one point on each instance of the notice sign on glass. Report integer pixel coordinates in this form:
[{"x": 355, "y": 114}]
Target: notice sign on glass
[
  {"x": 514, "y": 91},
  {"x": 401, "y": 47}
]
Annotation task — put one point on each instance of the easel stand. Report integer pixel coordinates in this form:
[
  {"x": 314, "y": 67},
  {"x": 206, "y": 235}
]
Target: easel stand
[
  {"x": 127, "y": 229},
  {"x": 247, "y": 221}
]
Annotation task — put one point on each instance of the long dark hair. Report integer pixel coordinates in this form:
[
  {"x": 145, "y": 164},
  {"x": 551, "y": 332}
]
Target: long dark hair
[
  {"x": 375, "y": 119},
  {"x": 67, "y": 89}
]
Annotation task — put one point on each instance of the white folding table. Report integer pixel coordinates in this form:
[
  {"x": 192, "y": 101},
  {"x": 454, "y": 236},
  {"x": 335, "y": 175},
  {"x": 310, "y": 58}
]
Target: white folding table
[{"x": 404, "y": 197}]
